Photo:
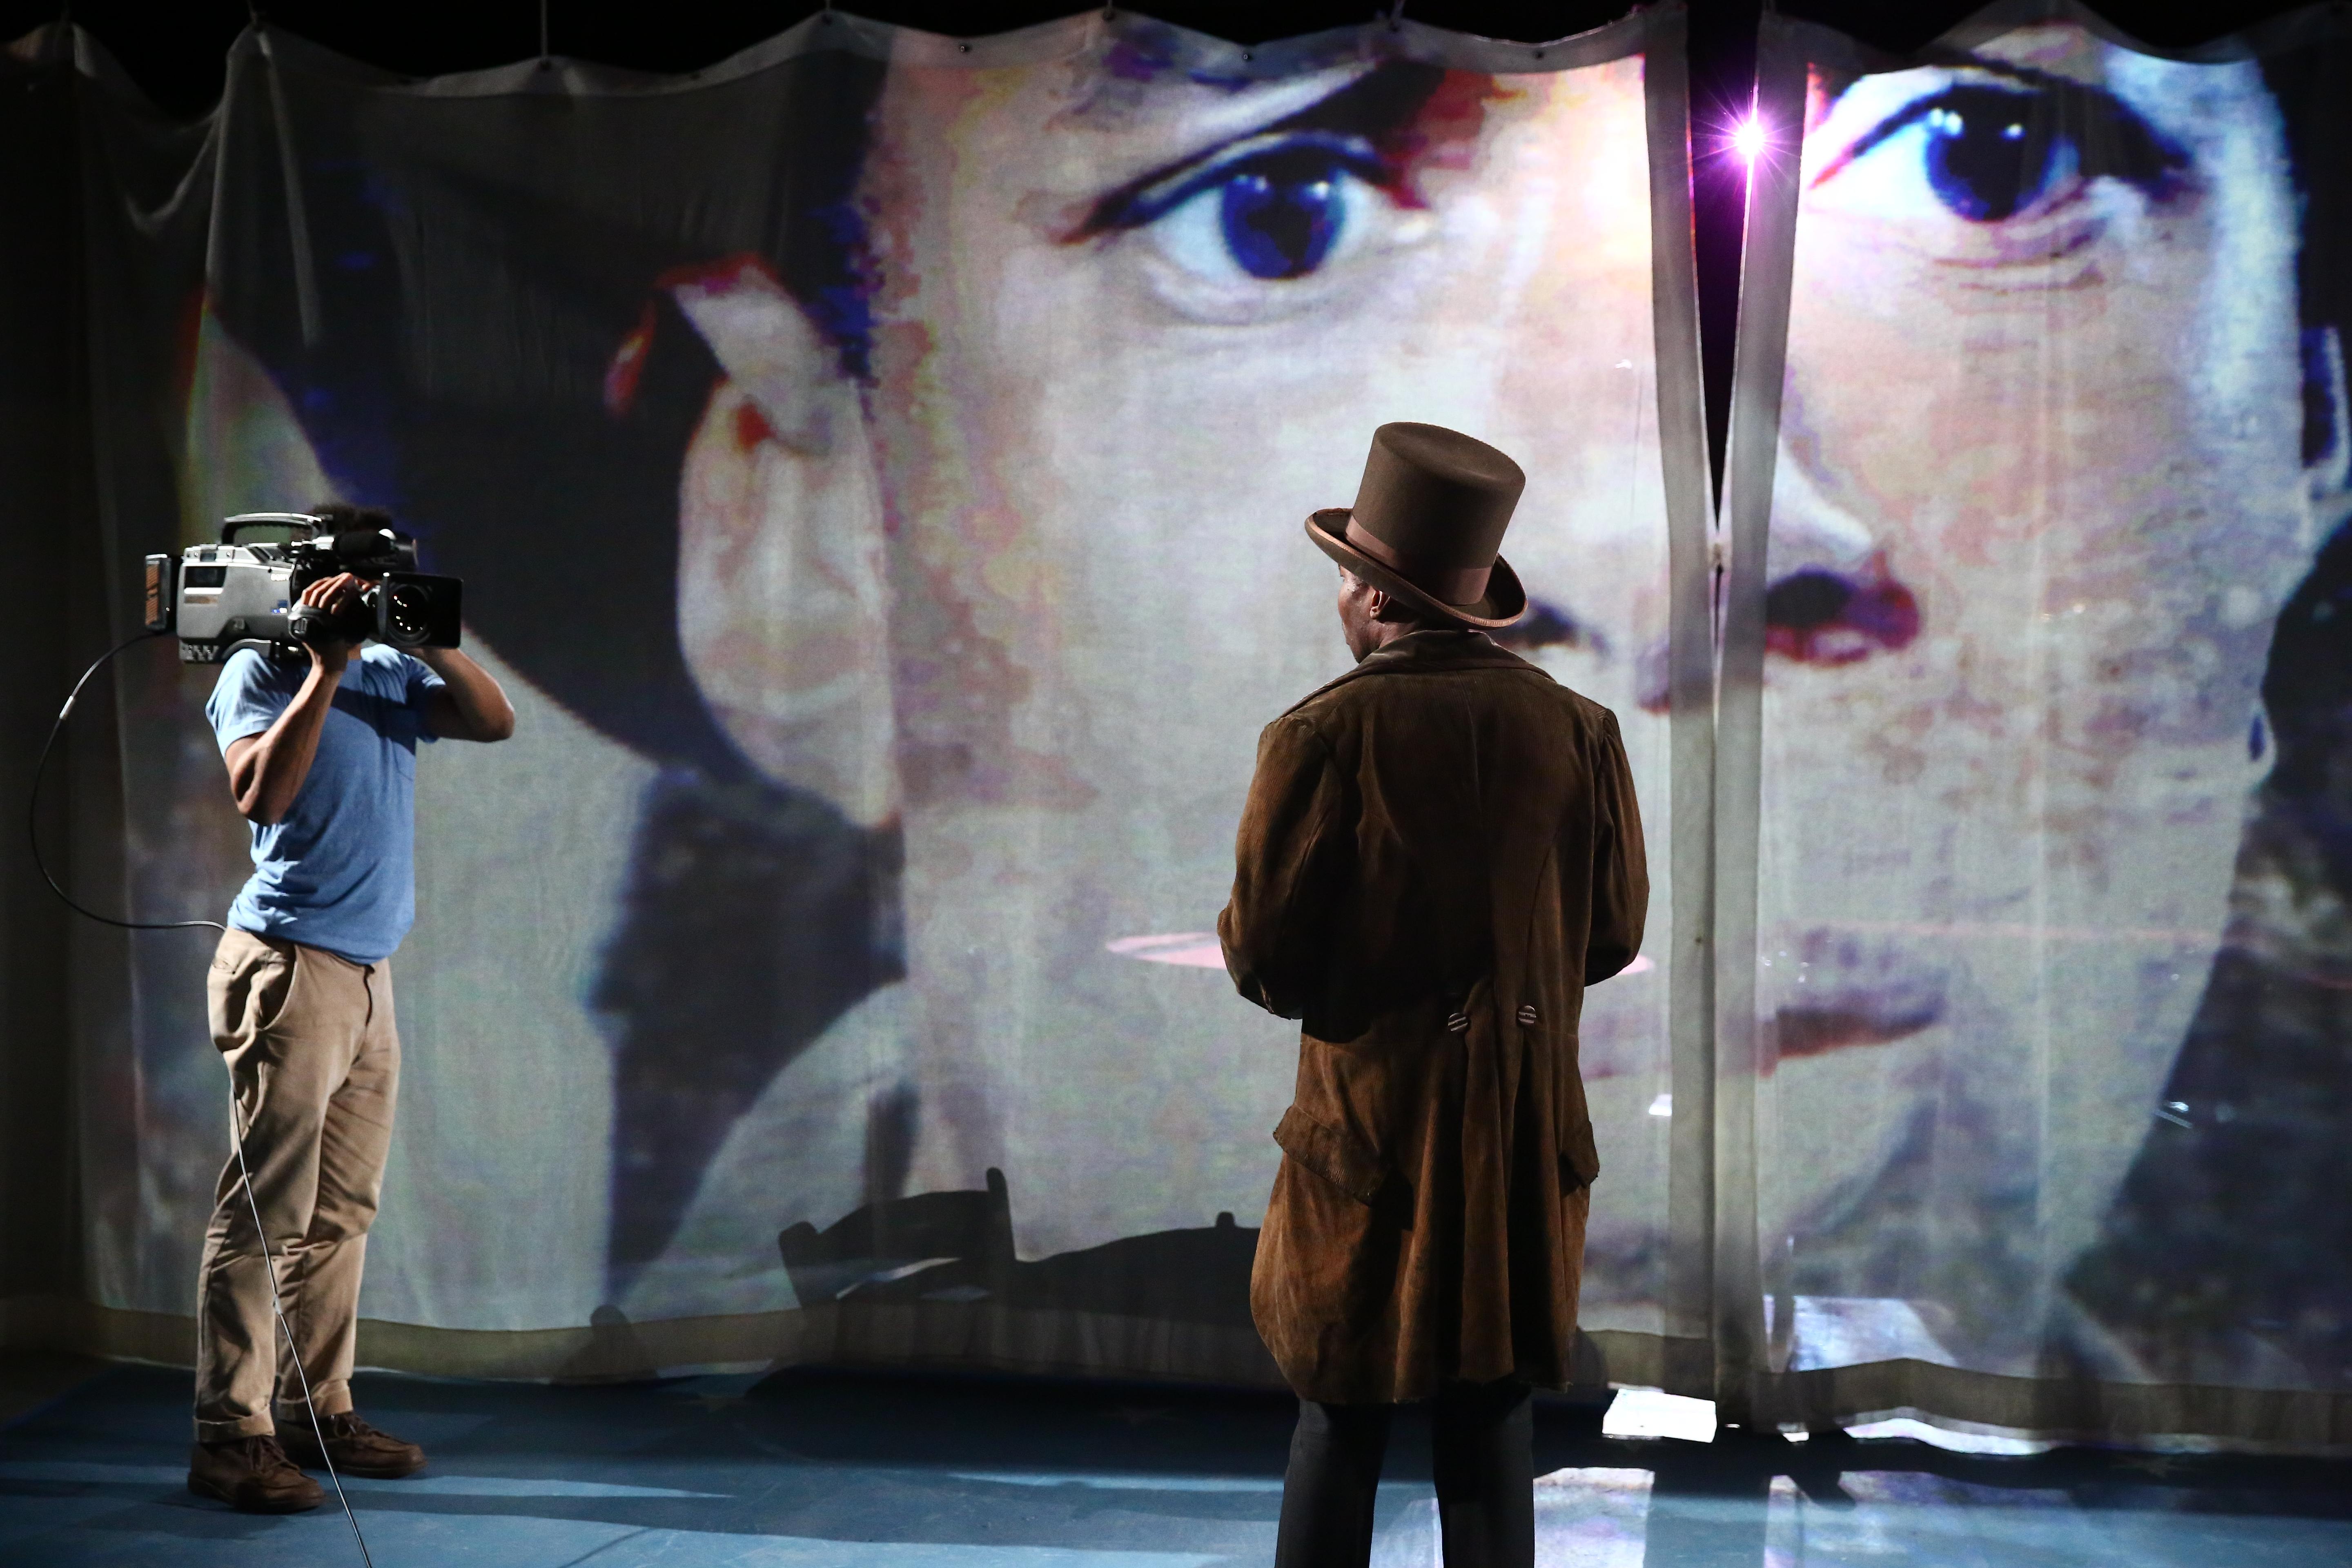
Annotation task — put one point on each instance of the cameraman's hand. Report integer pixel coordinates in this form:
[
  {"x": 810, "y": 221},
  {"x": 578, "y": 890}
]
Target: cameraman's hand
[
  {"x": 265, "y": 771},
  {"x": 335, "y": 595}
]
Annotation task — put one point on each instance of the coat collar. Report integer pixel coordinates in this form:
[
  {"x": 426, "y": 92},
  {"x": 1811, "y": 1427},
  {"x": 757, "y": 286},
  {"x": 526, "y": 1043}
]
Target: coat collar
[{"x": 1424, "y": 653}]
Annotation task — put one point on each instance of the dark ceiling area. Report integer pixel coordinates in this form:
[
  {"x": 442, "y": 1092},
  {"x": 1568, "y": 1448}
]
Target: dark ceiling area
[
  {"x": 175, "y": 51},
  {"x": 173, "y": 48}
]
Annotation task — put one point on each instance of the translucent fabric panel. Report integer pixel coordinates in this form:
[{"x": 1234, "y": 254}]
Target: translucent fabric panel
[
  {"x": 878, "y": 465},
  {"x": 2044, "y": 936}
]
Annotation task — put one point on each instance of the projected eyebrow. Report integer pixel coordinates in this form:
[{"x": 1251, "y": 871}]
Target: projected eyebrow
[
  {"x": 1370, "y": 127},
  {"x": 2111, "y": 138}
]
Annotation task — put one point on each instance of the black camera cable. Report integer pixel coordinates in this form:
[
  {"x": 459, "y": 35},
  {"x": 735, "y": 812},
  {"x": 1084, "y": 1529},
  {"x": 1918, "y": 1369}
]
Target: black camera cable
[
  {"x": 236, "y": 1133},
  {"x": 33, "y": 803}
]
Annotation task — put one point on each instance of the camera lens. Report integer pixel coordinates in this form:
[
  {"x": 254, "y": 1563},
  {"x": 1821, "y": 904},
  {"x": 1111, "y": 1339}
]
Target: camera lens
[{"x": 408, "y": 611}]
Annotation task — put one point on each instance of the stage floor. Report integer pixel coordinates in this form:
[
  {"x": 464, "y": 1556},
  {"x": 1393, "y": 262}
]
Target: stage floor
[{"x": 839, "y": 1471}]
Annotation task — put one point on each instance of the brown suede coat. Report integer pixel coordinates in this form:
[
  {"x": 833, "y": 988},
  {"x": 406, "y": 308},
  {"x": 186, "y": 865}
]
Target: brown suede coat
[{"x": 1440, "y": 852}]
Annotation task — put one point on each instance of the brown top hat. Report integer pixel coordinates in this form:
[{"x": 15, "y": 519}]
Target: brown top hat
[{"x": 1428, "y": 523}]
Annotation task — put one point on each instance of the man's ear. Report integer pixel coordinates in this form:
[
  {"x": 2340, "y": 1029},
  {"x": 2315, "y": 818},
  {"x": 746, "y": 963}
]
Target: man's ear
[
  {"x": 784, "y": 602},
  {"x": 2327, "y": 471}
]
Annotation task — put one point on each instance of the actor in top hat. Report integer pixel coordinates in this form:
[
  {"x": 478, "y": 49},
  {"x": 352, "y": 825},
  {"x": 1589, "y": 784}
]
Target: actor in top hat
[{"x": 1441, "y": 850}]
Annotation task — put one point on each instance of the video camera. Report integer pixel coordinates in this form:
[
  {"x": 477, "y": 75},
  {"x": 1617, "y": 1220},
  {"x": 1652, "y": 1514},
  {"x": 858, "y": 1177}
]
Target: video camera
[{"x": 222, "y": 598}]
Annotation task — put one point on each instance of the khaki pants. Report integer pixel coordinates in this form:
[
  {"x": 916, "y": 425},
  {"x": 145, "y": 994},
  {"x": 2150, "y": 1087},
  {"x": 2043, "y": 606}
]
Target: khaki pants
[{"x": 314, "y": 1068}]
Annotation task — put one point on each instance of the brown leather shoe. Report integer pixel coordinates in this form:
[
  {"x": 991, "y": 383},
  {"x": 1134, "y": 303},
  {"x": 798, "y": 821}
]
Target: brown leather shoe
[
  {"x": 357, "y": 1448},
  {"x": 252, "y": 1475}
]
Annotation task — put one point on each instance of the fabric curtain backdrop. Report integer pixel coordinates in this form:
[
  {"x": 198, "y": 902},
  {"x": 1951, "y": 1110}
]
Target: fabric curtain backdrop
[
  {"x": 2033, "y": 999},
  {"x": 876, "y": 464}
]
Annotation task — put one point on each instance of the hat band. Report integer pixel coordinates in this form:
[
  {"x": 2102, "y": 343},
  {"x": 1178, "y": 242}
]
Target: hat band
[{"x": 1450, "y": 585}]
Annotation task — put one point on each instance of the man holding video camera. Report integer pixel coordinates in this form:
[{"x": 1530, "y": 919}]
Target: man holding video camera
[{"x": 321, "y": 759}]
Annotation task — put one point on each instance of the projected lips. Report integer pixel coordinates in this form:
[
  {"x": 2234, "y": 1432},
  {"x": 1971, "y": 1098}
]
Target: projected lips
[
  {"x": 1820, "y": 617},
  {"x": 1849, "y": 988}
]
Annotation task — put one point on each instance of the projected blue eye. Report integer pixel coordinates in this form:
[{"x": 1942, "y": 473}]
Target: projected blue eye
[
  {"x": 1270, "y": 209},
  {"x": 1280, "y": 216},
  {"x": 1989, "y": 152}
]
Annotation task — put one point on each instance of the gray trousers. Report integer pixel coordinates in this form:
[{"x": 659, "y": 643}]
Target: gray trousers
[{"x": 1481, "y": 1441}]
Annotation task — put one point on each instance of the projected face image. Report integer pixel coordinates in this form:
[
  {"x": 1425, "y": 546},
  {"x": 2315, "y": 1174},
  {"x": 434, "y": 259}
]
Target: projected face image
[
  {"x": 2040, "y": 499},
  {"x": 1032, "y": 589}
]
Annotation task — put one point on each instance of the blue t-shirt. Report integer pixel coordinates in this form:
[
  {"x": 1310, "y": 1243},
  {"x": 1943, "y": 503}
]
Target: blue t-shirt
[{"x": 339, "y": 870}]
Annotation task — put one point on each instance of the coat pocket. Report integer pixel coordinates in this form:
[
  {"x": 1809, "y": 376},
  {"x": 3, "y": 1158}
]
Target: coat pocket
[
  {"x": 1339, "y": 1159},
  {"x": 1579, "y": 1162},
  {"x": 1580, "y": 1158}
]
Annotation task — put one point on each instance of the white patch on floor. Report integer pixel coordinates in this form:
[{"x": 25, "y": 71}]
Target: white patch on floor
[{"x": 1648, "y": 1412}]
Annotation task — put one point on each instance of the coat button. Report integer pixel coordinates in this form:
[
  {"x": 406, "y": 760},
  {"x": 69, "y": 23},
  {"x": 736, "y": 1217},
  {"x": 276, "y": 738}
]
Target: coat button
[
  {"x": 1459, "y": 1022},
  {"x": 1527, "y": 1015}
]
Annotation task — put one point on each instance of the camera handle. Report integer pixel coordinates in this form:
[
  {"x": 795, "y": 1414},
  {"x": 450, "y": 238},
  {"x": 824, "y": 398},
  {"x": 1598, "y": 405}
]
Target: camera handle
[
  {"x": 237, "y": 1134},
  {"x": 236, "y": 525}
]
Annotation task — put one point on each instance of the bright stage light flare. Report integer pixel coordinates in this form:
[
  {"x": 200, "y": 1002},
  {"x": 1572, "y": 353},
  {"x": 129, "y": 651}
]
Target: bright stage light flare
[{"x": 1747, "y": 138}]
